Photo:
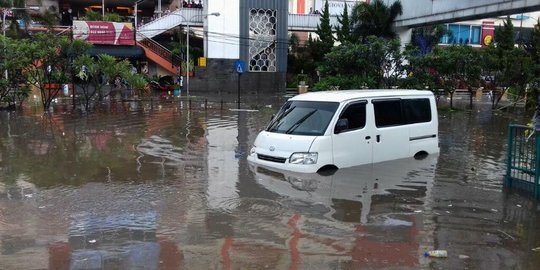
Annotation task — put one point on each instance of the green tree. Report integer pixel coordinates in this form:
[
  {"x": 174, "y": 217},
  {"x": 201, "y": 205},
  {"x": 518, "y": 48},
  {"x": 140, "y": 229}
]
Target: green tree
[
  {"x": 325, "y": 41},
  {"x": 112, "y": 17},
  {"x": 417, "y": 69},
  {"x": 87, "y": 67},
  {"x": 120, "y": 69},
  {"x": 13, "y": 91},
  {"x": 504, "y": 36},
  {"x": 507, "y": 66},
  {"x": 343, "y": 32},
  {"x": 374, "y": 19},
  {"x": 455, "y": 67},
  {"x": 374, "y": 64},
  {"x": 137, "y": 83},
  {"x": 50, "y": 63},
  {"x": 92, "y": 16},
  {"x": 533, "y": 49},
  {"x": 92, "y": 74},
  {"x": 299, "y": 61},
  {"x": 386, "y": 55}
]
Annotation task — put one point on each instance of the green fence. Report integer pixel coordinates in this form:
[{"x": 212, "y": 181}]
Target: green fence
[{"x": 523, "y": 163}]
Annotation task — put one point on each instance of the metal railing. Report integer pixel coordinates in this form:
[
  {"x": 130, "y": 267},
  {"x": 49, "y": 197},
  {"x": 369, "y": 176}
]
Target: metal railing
[
  {"x": 171, "y": 20},
  {"x": 159, "y": 49},
  {"x": 296, "y": 22},
  {"x": 308, "y": 22},
  {"x": 523, "y": 163}
]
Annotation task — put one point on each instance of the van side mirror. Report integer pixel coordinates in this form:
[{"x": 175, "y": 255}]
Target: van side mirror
[
  {"x": 341, "y": 125},
  {"x": 272, "y": 117}
]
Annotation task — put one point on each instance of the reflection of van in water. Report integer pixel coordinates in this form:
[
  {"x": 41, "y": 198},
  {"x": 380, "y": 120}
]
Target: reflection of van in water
[
  {"x": 358, "y": 187},
  {"x": 341, "y": 129}
]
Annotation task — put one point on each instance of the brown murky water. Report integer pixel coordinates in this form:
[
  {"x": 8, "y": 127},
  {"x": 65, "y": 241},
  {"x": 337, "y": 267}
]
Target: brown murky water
[{"x": 171, "y": 188}]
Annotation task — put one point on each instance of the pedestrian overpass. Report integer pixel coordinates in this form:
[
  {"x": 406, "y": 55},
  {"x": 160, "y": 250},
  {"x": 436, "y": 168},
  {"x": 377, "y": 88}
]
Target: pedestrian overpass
[
  {"x": 195, "y": 17},
  {"x": 429, "y": 12}
]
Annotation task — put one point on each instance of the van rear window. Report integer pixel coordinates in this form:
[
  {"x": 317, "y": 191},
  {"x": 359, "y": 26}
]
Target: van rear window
[
  {"x": 395, "y": 112},
  {"x": 416, "y": 110}
]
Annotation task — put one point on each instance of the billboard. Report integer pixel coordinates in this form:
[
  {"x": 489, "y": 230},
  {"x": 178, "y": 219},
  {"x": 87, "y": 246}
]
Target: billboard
[
  {"x": 109, "y": 33},
  {"x": 488, "y": 32}
]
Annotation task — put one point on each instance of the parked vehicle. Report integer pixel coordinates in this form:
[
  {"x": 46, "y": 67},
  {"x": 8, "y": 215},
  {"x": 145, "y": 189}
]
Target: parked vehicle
[
  {"x": 338, "y": 129},
  {"x": 164, "y": 87}
]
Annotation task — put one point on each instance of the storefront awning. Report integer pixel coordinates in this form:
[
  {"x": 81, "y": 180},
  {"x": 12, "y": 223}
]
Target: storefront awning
[{"x": 132, "y": 52}]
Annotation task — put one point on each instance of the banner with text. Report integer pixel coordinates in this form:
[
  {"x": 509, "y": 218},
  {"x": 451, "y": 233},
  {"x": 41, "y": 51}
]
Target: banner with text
[
  {"x": 335, "y": 7},
  {"x": 109, "y": 33}
]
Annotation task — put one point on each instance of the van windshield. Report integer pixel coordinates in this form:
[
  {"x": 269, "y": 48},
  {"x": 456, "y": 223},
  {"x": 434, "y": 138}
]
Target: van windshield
[{"x": 303, "y": 118}]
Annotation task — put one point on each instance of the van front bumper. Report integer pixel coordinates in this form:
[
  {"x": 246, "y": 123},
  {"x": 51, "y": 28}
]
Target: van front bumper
[{"x": 281, "y": 163}]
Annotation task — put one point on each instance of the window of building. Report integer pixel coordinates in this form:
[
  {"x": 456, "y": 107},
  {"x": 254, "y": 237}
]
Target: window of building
[
  {"x": 262, "y": 40},
  {"x": 476, "y": 34},
  {"x": 462, "y": 34}
]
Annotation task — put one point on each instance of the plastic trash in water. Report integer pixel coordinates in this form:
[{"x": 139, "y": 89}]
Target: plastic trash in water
[{"x": 436, "y": 253}]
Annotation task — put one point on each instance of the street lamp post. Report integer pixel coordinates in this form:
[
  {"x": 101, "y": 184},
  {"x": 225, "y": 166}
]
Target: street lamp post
[
  {"x": 187, "y": 45},
  {"x": 188, "y": 22},
  {"x": 4, "y": 13}
]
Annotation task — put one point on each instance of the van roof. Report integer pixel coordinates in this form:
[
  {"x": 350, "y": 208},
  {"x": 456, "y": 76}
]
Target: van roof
[{"x": 343, "y": 95}]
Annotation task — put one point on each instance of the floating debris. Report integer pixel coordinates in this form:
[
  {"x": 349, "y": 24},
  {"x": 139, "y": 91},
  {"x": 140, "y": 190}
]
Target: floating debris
[{"x": 436, "y": 253}]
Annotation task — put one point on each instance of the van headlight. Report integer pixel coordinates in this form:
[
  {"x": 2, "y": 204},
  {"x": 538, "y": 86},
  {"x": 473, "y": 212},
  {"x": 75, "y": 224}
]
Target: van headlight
[
  {"x": 252, "y": 151},
  {"x": 303, "y": 158}
]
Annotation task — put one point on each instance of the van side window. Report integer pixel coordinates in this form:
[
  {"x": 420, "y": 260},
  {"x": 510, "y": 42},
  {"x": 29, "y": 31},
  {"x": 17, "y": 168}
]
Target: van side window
[
  {"x": 388, "y": 113},
  {"x": 355, "y": 114},
  {"x": 416, "y": 110}
]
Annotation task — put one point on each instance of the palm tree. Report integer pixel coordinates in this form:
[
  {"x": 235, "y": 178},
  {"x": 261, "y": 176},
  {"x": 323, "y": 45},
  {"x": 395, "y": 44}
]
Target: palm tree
[{"x": 374, "y": 19}]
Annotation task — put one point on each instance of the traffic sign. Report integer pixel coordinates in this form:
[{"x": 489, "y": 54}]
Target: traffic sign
[{"x": 239, "y": 66}]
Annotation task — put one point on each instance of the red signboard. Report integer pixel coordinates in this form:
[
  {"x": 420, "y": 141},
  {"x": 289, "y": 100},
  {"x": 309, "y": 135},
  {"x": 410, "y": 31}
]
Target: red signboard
[
  {"x": 488, "y": 32},
  {"x": 110, "y": 33}
]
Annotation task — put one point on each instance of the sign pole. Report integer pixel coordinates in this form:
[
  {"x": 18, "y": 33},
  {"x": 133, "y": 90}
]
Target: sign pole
[
  {"x": 239, "y": 67},
  {"x": 239, "y": 76}
]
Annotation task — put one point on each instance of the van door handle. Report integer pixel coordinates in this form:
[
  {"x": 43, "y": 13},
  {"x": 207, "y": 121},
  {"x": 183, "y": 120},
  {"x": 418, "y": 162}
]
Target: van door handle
[
  {"x": 378, "y": 138},
  {"x": 368, "y": 137}
]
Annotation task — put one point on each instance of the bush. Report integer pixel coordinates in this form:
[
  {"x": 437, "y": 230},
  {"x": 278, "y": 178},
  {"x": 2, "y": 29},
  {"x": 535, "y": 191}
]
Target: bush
[{"x": 345, "y": 82}]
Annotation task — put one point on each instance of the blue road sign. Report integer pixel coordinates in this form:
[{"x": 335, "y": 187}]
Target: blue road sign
[{"x": 239, "y": 66}]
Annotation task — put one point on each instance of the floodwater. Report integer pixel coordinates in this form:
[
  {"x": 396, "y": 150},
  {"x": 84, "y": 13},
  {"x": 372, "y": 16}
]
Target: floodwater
[{"x": 170, "y": 188}]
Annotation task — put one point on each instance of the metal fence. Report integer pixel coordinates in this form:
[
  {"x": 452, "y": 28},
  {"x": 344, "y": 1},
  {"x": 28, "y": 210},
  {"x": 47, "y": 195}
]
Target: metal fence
[{"x": 523, "y": 163}]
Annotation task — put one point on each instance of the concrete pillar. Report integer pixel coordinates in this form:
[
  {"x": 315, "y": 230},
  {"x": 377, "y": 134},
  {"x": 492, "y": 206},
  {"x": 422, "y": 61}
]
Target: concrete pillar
[{"x": 405, "y": 35}]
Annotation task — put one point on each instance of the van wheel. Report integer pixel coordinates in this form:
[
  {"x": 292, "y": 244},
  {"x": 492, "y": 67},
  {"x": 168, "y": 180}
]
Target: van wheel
[
  {"x": 327, "y": 170},
  {"x": 420, "y": 155}
]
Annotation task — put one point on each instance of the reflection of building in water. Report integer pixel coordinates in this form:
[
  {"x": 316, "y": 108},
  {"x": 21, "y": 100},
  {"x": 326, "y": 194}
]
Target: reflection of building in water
[
  {"x": 124, "y": 241},
  {"x": 222, "y": 163}
]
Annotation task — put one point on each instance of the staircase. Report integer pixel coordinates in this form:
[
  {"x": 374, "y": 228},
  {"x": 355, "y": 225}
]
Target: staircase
[
  {"x": 170, "y": 21},
  {"x": 159, "y": 54}
]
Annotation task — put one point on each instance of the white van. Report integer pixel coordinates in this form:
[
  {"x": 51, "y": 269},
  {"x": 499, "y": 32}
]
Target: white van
[{"x": 338, "y": 129}]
